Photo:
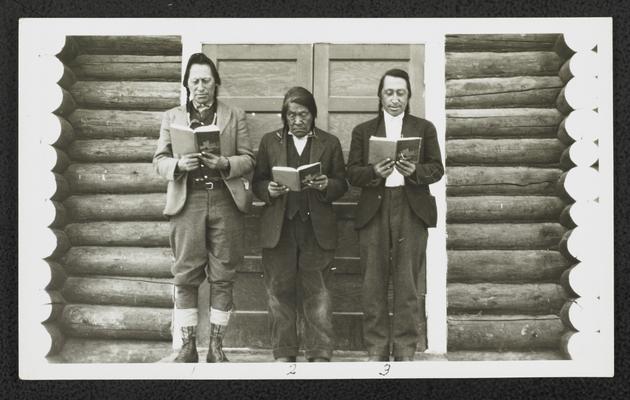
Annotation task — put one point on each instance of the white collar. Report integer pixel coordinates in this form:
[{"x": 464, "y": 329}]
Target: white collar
[
  {"x": 391, "y": 118},
  {"x": 303, "y": 138}
]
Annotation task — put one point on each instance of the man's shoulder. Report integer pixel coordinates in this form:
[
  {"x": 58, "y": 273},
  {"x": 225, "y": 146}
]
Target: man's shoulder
[
  {"x": 228, "y": 108},
  {"x": 368, "y": 125},
  {"x": 419, "y": 122},
  {"x": 325, "y": 136},
  {"x": 273, "y": 135},
  {"x": 176, "y": 110}
]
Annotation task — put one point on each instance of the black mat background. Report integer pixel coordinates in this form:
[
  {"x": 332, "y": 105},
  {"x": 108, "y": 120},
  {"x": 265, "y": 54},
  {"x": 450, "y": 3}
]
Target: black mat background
[{"x": 12, "y": 387}]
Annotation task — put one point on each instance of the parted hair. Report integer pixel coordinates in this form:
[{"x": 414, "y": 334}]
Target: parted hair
[
  {"x": 396, "y": 73},
  {"x": 301, "y": 96}
]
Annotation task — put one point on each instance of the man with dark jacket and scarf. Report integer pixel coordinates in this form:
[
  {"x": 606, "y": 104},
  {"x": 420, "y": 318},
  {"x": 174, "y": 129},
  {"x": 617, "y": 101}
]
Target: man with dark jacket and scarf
[
  {"x": 394, "y": 211},
  {"x": 298, "y": 229}
]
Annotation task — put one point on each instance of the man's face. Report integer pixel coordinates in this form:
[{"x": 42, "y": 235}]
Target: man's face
[
  {"x": 394, "y": 96},
  {"x": 300, "y": 119},
  {"x": 201, "y": 83}
]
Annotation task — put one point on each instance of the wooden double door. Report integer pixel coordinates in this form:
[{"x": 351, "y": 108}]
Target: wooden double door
[{"x": 344, "y": 80}]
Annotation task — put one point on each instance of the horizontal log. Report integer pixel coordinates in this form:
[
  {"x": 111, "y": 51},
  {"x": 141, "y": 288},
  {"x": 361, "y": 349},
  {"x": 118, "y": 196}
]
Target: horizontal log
[
  {"x": 562, "y": 49},
  {"x": 69, "y": 51},
  {"x": 61, "y": 242},
  {"x": 502, "y": 208},
  {"x": 502, "y": 122},
  {"x": 113, "y": 150},
  {"x": 95, "y": 321},
  {"x": 116, "y": 207},
  {"x": 249, "y": 291},
  {"x": 491, "y": 298},
  {"x": 124, "y": 261},
  {"x": 114, "y": 178},
  {"x": 504, "y": 356},
  {"x": 60, "y": 217},
  {"x": 507, "y": 266},
  {"x": 56, "y": 159},
  {"x": 127, "y": 68},
  {"x": 504, "y": 333},
  {"x": 538, "y": 236},
  {"x": 511, "y": 181},
  {"x": 62, "y": 187},
  {"x": 155, "y": 262},
  {"x": 126, "y": 95},
  {"x": 57, "y": 275},
  {"x": 119, "y": 290},
  {"x": 149, "y": 234},
  {"x": 66, "y": 105},
  {"x": 133, "y": 207},
  {"x": 156, "y": 234},
  {"x": 113, "y": 351},
  {"x": 246, "y": 329},
  {"x": 492, "y": 64},
  {"x": 503, "y": 151},
  {"x": 162, "y": 45},
  {"x": 56, "y": 131},
  {"x": 501, "y": 43},
  {"x": 68, "y": 78},
  {"x": 522, "y": 91},
  {"x": 56, "y": 340},
  {"x": 107, "y": 124}
]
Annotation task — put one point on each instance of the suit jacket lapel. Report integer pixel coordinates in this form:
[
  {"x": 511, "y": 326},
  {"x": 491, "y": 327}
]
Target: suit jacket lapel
[
  {"x": 317, "y": 147},
  {"x": 408, "y": 128},
  {"x": 380, "y": 125},
  {"x": 223, "y": 117},
  {"x": 279, "y": 150}
]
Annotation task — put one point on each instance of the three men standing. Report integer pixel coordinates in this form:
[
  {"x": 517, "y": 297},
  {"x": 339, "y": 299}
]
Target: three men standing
[{"x": 394, "y": 211}]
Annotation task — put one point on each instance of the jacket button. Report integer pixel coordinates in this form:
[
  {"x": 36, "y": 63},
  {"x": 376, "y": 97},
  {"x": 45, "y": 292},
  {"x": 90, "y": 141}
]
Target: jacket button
[{"x": 379, "y": 196}]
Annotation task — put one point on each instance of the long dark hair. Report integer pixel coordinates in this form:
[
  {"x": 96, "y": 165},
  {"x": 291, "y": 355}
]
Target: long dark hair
[
  {"x": 200, "y": 58},
  {"x": 396, "y": 73},
  {"x": 301, "y": 96}
]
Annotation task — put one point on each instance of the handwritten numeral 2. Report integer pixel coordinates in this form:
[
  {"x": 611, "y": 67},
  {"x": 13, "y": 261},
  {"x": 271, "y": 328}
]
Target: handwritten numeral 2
[{"x": 291, "y": 369}]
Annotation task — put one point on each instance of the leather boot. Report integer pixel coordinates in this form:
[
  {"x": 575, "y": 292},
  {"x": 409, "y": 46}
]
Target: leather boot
[
  {"x": 188, "y": 352},
  {"x": 215, "y": 347}
]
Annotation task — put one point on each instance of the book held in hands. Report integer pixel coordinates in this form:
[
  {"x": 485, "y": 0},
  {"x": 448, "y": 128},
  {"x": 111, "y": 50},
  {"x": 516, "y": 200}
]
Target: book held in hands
[
  {"x": 205, "y": 138},
  {"x": 296, "y": 178},
  {"x": 407, "y": 149}
]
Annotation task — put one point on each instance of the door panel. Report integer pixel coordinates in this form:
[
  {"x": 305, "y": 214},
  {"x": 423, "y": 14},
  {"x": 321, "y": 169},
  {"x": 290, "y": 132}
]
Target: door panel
[{"x": 345, "y": 82}]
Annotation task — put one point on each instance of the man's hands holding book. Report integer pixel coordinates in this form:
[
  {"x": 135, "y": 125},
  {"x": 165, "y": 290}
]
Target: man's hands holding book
[
  {"x": 384, "y": 168},
  {"x": 213, "y": 161}
]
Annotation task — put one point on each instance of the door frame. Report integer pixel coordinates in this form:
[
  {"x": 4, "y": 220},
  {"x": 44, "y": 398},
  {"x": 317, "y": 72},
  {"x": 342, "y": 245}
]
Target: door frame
[{"x": 434, "y": 110}]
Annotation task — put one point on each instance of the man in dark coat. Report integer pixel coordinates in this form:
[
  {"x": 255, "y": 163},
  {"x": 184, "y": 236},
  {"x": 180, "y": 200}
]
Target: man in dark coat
[
  {"x": 395, "y": 209},
  {"x": 298, "y": 229}
]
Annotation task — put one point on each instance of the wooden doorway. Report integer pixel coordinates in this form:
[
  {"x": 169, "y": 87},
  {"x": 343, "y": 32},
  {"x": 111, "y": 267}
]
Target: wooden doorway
[{"x": 344, "y": 80}]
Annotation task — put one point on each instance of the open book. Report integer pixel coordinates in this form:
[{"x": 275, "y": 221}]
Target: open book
[
  {"x": 205, "y": 138},
  {"x": 296, "y": 178},
  {"x": 395, "y": 149}
]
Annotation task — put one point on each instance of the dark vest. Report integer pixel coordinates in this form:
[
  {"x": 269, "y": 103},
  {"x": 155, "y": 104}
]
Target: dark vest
[
  {"x": 196, "y": 178},
  {"x": 297, "y": 202}
]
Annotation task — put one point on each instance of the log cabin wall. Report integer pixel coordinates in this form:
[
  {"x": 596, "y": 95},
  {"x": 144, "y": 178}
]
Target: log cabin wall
[
  {"x": 118, "y": 289},
  {"x": 503, "y": 164}
]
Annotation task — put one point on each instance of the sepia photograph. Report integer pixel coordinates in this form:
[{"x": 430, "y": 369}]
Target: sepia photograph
[{"x": 315, "y": 199}]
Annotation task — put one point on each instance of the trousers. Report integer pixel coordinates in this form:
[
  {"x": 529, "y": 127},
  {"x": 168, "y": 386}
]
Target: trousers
[
  {"x": 298, "y": 271},
  {"x": 393, "y": 244},
  {"x": 206, "y": 237}
]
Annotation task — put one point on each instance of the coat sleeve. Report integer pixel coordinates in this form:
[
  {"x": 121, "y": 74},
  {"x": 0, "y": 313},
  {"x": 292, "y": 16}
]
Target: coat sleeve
[
  {"x": 242, "y": 163},
  {"x": 262, "y": 173},
  {"x": 430, "y": 170},
  {"x": 163, "y": 161},
  {"x": 337, "y": 184},
  {"x": 360, "y": 173}
]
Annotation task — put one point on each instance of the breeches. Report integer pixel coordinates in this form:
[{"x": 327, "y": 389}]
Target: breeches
[
  {"x": 393, "y": 244},
  {"x": 207, "y": 241}
]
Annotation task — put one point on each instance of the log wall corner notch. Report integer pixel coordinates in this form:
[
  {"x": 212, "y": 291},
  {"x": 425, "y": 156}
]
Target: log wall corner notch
[{"x": 579, "y": 185}]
